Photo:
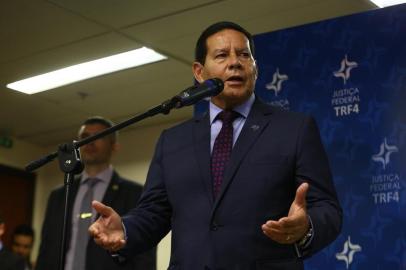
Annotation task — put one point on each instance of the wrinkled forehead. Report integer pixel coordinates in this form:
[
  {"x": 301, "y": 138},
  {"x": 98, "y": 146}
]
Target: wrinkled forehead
[{"x": 227, "y": 39}]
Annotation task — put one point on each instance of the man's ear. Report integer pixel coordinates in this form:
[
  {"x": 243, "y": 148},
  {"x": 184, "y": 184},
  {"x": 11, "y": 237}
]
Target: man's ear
[
  {"x": 197, "y": 69},
  {"x": 256, "y": 69},
  {"x": 116, "y": 147},
  {"x": 2, "y": 229}
]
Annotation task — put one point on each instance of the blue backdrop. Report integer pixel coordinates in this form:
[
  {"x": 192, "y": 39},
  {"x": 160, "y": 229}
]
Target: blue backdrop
[{"x": 350, "y": 74}]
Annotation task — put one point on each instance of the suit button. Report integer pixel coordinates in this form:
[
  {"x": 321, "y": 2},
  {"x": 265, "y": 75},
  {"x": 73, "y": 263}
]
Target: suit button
[{"x": 214, "y": 226}]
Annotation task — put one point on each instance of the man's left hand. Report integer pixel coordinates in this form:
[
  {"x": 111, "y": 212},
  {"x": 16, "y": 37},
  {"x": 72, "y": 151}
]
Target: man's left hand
[{"x": 290, "y": 229}]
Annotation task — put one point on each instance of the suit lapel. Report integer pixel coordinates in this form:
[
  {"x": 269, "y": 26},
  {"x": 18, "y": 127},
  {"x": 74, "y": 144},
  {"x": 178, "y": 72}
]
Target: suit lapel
[
  {"x": 202, "y": 147},
  {"x": 109, "y": 196},
  {"x": 112, "y": 189},
  {"x": 257, "y": 120}
]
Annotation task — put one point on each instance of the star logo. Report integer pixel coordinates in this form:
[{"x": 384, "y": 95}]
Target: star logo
[
  {"x": 277, "y": 81},
  {"x": 384, "y": 153},
  {"x": 345, "y": 69},
  {"x": 347, "y": 255}
]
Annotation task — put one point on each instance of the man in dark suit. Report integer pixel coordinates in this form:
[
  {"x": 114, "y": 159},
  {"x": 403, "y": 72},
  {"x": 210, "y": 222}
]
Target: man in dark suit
[
  {"x": 23, "y": 241},
  {"x": 98, "y": 181},
  {"x": 268, "y": 204},
  {"x": 8, "y": 260}
]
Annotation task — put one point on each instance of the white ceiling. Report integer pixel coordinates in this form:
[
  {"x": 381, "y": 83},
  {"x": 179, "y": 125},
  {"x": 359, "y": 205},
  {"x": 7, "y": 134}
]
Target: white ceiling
[{"x": 40, "y": 36}]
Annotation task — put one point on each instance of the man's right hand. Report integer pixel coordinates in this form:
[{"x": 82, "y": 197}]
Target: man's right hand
[{"x": 107, "y": 230}]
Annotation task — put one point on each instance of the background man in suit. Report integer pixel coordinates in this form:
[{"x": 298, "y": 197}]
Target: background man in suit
[
  {"x": 267, "y": 204},
  {"x": 8, "y": 260},
  {"x": 23, "y": 241},
  {"x": 98, "y": 181}
]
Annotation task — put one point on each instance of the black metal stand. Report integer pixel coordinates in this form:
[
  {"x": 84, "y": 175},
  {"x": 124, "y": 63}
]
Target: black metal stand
[
  {"x": 70, "y": 163},
  {"x": 164, "y": 108},
  {"x": 69, "y": 156}
]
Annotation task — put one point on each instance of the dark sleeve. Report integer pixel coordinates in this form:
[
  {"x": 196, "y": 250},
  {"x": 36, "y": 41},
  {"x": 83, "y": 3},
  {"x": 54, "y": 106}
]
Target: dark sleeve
[
  {"x": 141, "y": 261},
  {"x": 10, "y": 261},
  {"x": 48, "y": 254},
  {"x": 150, "y": 221},
  {"x": 20, "y": 265},
  {"x": 146, "y": 260},
  {"x": 312, "y": 166}
]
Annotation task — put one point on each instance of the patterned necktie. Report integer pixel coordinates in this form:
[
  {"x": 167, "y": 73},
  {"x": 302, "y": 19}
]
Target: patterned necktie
[
  {"x": 84, "y": 221},
  {"x": 222, "y": 148}
]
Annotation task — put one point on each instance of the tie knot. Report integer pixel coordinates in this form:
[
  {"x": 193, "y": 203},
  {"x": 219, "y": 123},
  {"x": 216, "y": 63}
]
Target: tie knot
[
  {"x": 91, "y": 182},
  {"x": 227, "y": 117}
]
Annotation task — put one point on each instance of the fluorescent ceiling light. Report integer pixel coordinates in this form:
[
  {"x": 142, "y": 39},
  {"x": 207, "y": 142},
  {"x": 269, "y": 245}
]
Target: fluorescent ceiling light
[
  {"x": 387, "y": 3},
  {"x": 86, "y": 70}
]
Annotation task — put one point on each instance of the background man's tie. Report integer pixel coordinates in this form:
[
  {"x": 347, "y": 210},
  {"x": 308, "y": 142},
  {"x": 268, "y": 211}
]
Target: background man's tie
[{"x": 85, "y": 219}]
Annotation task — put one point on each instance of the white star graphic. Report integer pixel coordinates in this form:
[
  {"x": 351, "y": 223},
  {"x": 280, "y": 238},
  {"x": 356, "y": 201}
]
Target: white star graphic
[
  {"x": 344, "y": 71},
  {"x": 384, "y": 153},
  {"x": 277, "y": 81},
  {"x": 347, "y": 255}
]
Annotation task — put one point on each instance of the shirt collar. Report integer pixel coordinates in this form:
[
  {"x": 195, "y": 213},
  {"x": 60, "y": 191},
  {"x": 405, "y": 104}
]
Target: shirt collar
[
  {"x": 104, "y": 175},
  {"x": 242, "y": 109}
]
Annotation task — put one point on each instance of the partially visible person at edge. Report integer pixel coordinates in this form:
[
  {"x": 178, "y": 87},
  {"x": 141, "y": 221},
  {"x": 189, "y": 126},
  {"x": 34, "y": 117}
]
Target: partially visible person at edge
[
  {"x": 98, "y": 181},
  {"x": 8, "y": 260},
  {"x": 23, "y": 241},
  {"x": 246, "y": 186}
]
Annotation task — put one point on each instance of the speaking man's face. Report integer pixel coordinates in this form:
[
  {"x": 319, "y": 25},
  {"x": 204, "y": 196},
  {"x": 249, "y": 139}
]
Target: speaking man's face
[{"x": 229, "y": 58}]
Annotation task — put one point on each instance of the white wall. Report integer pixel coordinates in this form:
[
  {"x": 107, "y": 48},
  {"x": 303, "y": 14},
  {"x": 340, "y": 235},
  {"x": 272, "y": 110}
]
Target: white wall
[
  {"x": 132, "y": 161},
  {"x": 19, "y": 154}
]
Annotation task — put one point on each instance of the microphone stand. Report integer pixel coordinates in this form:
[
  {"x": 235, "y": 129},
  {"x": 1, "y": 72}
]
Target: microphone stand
[{"x": 70, "y": 163}]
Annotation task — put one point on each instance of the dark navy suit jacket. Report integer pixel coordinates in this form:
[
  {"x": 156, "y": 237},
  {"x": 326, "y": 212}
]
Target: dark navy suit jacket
[{"x": 275, "y": 152}]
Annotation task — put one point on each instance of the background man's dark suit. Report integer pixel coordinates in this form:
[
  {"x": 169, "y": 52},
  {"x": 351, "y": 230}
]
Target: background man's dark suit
[
  {"x": 122, "y": 195},
  {"x": 10, "y": 261},
  {"x": 275, "y": 152}
]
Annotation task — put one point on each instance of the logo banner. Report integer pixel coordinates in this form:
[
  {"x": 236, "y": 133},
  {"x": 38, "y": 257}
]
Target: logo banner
[{"x": 350, "y": 74}]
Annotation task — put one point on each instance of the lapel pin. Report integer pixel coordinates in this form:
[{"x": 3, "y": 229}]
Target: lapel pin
[
  {"x": 85, "y": 215},
  {"x": 254, "y": 127},
  {"x": 115, "y": 187}
]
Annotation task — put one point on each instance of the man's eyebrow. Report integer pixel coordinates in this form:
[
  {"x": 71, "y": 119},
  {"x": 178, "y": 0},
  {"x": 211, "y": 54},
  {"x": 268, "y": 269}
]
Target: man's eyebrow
[
  {"x": 243, "y": 49},
  {"x": 220, "y": 50}
]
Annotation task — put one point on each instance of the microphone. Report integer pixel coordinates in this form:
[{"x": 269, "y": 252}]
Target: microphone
[{"x": 210, "y": 87}]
